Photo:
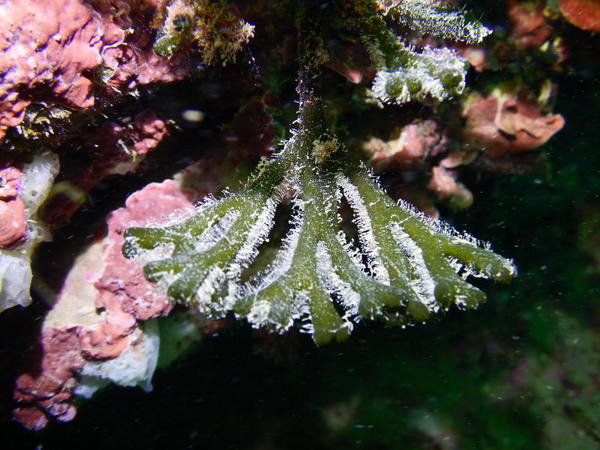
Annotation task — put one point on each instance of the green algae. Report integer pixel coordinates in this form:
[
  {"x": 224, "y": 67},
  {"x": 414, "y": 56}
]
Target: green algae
[
  {"x": 401, "y": 266},
  {"x": 406, "y": 267}
]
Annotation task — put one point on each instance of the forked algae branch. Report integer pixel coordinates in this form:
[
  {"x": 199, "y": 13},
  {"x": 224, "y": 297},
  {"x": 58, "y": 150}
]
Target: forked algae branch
[
  {"x": 405, "y": 267},
  {"x": 405, "y": 74}
]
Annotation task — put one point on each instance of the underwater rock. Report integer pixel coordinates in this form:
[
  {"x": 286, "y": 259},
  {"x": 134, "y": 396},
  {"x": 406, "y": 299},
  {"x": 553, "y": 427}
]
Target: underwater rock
[
  {"x": 147, "y": 132},
  {"x": 72, "y": 53},
  {"x": 528, "y": 26},
  {"x": 443, "y": 183},
  {"x": 94, "y": 334},
  {"x": 253, "y": 129},
  {"x": 131, "y": 61},
  {"x": 15, "y": 271},
  {"x": 123, "y": 279},
  {"x": 13, "y": 222},
  {"x": 46, "y": 388},
  {"x": 112, "y": 149}
]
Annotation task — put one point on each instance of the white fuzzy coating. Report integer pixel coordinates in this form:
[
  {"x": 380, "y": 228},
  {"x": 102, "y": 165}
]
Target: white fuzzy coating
[
  {"x": 421, "y": 77},
  {"x": 421, "y": 281},
  {"x": 285, "y": 257},
  {"x": 348, "y": 298},
  {"x": 262, "y": 310},
  {"x": 205, "y": 292},
  {"x": 427, "y": 17},
  {"x": 301, "y": 313},
  {"x": 258, "y": 234},
  {"x": 214, "y": 234},
  {"x": 369, "y": 245},
  {"x": 434, "y": 225},
  {"x": 349, "y": 248}
]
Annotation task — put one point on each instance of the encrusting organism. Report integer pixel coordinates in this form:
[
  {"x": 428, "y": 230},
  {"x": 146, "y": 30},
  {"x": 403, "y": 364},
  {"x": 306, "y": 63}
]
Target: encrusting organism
[
  {"x": 211, "y": 26},
  {"x": 403, "y": 268}
]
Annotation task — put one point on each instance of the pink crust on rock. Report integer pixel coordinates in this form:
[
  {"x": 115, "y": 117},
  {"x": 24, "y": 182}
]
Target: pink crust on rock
[
  {"x": 10, "y": 178},
  {"x": 121, "y": 292},
  {"x": 123, "y": 279},
  {"x": 46, "y": 389},
  {"x": 13, "y": 222},
  {"x": 415, "y": 143},
  {"x": 49, "y": 49},
  {"x": 147, "y": 132},
  {"x": 46, "y": 47},
  {"x": 502, "y": 125},
  {"x": 584, "y": 14},
  {"x": 132, "y": 60},
  {"x": 443, "y": 183}
]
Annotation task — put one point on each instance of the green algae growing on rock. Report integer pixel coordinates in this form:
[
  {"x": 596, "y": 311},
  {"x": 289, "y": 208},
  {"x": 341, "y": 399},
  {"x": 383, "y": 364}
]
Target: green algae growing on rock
[
  {"x": 400, "y": 267},
  {"x": 406, "y": 267}
]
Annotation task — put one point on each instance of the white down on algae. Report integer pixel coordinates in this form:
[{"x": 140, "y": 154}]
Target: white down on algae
[
  {"x": 368, "y": 243},
  {"x": 347, "y": 297},
  {"x": 422, "y": 77},
  {"x": 431, "y": 17},
  {"x": 269, "y": 299},
  {"x": 258, "y": 234},
  {"x": 421, "y": 282},
  {"x": 262, "y": 311}
]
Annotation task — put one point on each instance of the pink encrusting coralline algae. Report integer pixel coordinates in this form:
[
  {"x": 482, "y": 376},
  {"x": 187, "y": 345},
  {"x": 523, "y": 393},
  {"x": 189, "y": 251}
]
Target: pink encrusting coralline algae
[
  {"x": 503, "y": 123},
  {"x": 48, "y": 51},
  {"x": 74, "y": 332},
  {"x": 103, "y": 304},
  {"x": 71, "y": 52},
  {"x": 414, "y": 144},
  {"x": 13, "y": 220},
  {"x": 584, "y": 14}
]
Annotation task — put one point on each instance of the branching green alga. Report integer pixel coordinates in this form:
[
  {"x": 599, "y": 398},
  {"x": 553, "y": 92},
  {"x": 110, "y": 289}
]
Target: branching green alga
[{"x": 403, "y": 268}]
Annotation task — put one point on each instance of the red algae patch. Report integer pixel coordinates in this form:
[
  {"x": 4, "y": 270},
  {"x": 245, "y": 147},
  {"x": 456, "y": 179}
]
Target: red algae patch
[
  {"x": 13, "y": 223},
  {"x": 503, "y": 124},
  {"x": 584, "y": 14},
  {"x": 528, "y": 25}
]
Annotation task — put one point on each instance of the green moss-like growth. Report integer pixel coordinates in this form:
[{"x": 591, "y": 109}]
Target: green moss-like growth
[{"x": 209, "y": 26}]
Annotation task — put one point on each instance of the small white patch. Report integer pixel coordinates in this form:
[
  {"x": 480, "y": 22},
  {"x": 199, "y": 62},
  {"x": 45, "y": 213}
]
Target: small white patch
[
  {"x": 369, "y": 245},
  {"x": 421, "y": 282},
  {"x": 348, "y": 298}
]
